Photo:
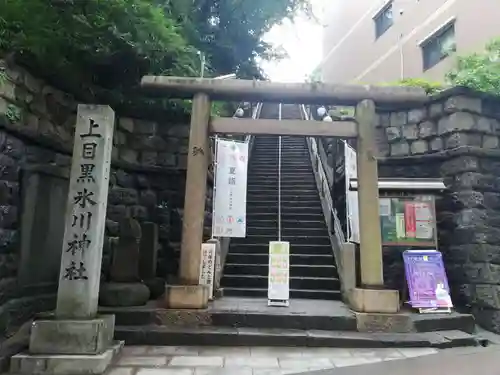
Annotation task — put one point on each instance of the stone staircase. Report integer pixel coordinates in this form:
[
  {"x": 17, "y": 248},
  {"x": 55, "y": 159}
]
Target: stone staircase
[{"x": 313, "y": 273}]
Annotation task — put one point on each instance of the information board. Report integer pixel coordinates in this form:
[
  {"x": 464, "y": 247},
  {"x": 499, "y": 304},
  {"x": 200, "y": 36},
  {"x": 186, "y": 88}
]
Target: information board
[
  {"x": 278, "y": 292},
  {"x": 207, "y": 267},
  {"x": 426, "y": 277},
  {"x": 408, "y": 221}
]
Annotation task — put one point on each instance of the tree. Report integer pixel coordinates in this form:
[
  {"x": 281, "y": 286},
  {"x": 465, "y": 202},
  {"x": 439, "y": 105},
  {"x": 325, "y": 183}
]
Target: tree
[
  {"x": 113, "y": 43},
  {"x": 479, "y": 71}
]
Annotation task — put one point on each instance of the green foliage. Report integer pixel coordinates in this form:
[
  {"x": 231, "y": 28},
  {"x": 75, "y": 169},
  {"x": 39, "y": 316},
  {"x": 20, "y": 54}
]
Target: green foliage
[
  {"x": 430, "y": 87},
  {"x": 113, "y": 43},
  {"x": 479, "y": 71}
]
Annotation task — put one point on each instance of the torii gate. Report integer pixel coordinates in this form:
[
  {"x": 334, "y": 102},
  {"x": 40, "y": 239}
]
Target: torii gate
[{"x": 371, "y": 297}]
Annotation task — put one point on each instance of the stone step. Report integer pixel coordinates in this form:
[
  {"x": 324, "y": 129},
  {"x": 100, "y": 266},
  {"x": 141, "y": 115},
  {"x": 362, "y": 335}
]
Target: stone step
[
  {"x": 284, "y": 202},
  {"x": 272, "y": 180},
  {"x": 329, "y": 295},
  {"x": 293, "y": 239},
  {"x": 298, "y": 184},
  {"x": 285, "y": 231},
  {"x": 285, "y": 186},
  {"x": 285, "y": 208},
  {"x": 301, "y": 283},
  {"x": 311, "y": 259},
  {"x": 308, "y": 194},
  {"x": 296, "y": 270},
  {"x": 285, "y": 216},
  {"x": 273, "y": 224},
  {"x": 234, "y": 336},
  {"x": 292, "y": 175},
  {"x": 263, "y": 248}
]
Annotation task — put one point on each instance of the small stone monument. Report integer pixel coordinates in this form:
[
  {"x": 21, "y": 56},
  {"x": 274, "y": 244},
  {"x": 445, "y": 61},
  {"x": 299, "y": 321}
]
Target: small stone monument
[
  {"x": 149, "y": 258},
  {"x": 76, "y": 340},
  {"x": 125, "y": 287}
]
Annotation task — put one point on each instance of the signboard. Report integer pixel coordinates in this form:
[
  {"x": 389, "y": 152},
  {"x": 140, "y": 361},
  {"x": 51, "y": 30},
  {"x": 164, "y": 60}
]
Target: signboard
[
  {"x": 408, "y": 221},
  {"x": 427, "y": 282},
  {"x": 278, "y": 292},
  {"x": 207, "y": 267},
  {"x": 351, "y": 172},
  {"x": 230, "y": 190}
]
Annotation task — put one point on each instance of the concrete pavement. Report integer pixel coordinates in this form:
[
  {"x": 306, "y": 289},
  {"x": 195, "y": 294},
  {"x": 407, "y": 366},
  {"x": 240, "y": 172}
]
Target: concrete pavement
[{"x": 459, "y": 361}]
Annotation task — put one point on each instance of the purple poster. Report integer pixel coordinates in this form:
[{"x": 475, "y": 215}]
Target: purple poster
[{"x": 426, "y": 278}]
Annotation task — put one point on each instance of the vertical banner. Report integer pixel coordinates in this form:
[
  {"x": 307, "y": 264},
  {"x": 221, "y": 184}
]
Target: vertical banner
[
  {"x": 230, "y": 201},
  {"x": 207, "y": 267},
  {"x": 351, "y": 172},
  {"x": 278, "y": 291},
  {"x": 427, "y": 281}
]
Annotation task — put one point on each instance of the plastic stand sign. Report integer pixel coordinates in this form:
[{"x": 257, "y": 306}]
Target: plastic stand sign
[{"x": 278, "y": 292}]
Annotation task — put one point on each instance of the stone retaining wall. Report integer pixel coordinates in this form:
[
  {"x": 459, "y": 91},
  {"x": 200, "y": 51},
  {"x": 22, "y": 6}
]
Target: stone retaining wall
[
  {"x": 36, "y": 132},
  {"x": 454, "y": 136}
]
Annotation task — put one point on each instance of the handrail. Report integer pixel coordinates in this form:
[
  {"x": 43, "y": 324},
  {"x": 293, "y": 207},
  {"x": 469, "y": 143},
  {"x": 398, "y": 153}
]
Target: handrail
[{"x": 324, "y": 185}]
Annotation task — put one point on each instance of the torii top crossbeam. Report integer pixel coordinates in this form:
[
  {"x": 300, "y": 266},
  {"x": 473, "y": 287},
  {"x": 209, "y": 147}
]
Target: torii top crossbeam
[{"x": 265, "y": 91}]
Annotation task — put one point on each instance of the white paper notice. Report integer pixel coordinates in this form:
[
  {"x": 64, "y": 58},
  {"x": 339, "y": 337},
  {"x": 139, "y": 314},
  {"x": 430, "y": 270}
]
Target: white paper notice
[
  {"x": 279, "y": 264},
  {"x": 207, "y": 267},
  {"x": 230, "y": 201}
]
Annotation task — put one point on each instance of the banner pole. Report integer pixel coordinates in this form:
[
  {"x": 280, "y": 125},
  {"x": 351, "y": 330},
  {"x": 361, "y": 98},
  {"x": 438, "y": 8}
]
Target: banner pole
[{"x": 279, "y": 176}]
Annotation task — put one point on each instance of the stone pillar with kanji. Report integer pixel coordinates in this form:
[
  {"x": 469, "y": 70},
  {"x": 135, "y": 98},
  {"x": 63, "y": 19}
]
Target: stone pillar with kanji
[{"x": 76, "y": 332}]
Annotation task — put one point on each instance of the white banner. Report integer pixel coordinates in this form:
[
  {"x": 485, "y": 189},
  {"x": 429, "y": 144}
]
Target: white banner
[
  {"x": 207, "y": 267},
  {"x": 230, "y": 201},
  {"x": 351, "y": 172},
  {"x": 278, "y": 290}
]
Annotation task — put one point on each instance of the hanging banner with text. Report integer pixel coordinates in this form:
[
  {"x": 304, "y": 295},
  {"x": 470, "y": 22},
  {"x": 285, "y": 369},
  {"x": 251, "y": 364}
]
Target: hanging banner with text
[
  {"x": 351, "y": 173},
  {"x": 230, "y": 201},
  {"x": 278, "y": 292},
  {"x": 426, "y": 278}
]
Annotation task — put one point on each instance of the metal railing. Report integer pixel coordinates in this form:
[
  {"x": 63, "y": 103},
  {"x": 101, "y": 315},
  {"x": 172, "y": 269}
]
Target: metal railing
[{"x": 331, "y": 218}]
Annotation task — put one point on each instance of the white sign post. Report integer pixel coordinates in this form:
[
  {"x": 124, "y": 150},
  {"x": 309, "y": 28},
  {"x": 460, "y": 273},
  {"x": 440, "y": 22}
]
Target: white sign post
[
  {"x": 207, "y": 269},
  {"x": 351, "y": 172},
  {"x": 278, "y": 292},
  {"x": 230, "y": 191}
]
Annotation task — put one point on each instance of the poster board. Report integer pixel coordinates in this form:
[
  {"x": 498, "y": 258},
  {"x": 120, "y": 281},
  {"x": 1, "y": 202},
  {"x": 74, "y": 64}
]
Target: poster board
[
  {"x": 427, "y": 281},
  {"x": 408, "y": 221},
  {"x": 278, "y": 291}
]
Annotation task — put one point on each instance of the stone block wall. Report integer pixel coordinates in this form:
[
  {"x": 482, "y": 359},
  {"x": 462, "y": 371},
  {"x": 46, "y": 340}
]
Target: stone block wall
[
  {"x": 147, "y": 179},
  {"x": 455, "y": 136}
]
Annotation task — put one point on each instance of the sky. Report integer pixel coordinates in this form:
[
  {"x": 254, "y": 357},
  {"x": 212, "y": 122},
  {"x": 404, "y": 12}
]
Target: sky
[{"x": 302, "y": 39}]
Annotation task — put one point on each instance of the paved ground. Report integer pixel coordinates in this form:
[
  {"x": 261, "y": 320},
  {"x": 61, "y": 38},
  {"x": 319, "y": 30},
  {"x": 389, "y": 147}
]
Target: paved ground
[
  {"x": 165, "y": 360},
  {"x": 458, "y": 361}
]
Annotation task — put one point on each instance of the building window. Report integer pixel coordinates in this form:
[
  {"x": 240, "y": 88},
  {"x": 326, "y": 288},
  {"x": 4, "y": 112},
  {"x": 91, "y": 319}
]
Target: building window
[
  {"x": 383, "y": 20},
  {"x": 439, "y": 46}
]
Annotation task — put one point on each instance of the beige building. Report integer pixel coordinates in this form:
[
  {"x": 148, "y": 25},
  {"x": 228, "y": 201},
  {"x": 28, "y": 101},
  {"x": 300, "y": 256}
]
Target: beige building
[{"x": 373, "y": 41}]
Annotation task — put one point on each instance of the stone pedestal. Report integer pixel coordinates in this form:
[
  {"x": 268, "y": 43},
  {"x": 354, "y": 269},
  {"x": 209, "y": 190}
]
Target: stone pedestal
[
  {"x": 185, "y": 297},
  {"x": 76, "y": 340},
  {"x": 375, "y": 301}
]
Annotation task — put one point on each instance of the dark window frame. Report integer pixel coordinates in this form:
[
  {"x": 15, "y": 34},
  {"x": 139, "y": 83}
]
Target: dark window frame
[
  {"x": 433, "y": 49},
  {"x": 382, "y": 22}
]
